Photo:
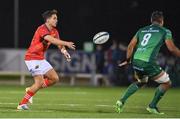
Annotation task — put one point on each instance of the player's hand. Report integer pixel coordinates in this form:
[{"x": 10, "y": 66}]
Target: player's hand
[
  {"x": 71, "y": 45},
  {"x": 66, "y": 55},
  {"x": 123, "y": 63}
]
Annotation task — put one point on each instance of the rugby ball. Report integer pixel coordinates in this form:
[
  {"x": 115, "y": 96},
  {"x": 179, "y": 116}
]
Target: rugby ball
[{"x": 101, "y": 37}]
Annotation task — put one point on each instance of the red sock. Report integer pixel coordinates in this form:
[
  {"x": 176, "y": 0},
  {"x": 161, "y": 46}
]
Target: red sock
[
  {"x": 46, "y": 83},
  {"x": 26, "y": 98}
]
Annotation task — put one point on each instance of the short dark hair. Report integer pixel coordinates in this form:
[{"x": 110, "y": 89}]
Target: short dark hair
[
  {"x": 48, "y": 14},
  {"x": 157, "y": 16}
]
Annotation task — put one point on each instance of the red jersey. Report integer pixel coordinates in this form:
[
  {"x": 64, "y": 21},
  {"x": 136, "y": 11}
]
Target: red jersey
[{"x": 39, "y": 45}]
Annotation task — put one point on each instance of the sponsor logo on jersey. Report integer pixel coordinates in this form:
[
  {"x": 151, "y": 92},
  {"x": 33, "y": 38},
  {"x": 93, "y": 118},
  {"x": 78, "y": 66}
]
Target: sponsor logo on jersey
[
  {"x": 138, "y": 68},
  {"x": 150, "y": 30},
  {"x": 141, "y": 49}
]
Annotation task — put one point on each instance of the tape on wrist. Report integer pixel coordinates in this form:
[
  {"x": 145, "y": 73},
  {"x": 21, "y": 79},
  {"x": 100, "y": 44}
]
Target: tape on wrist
[{"x": 63, "y": 51}]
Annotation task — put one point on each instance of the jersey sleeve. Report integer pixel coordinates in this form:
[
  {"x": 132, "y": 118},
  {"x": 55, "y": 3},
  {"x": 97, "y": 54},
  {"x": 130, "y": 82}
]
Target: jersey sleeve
[
  {"x": 43, "y": 32},
  {"x": 168, "y": 35},
  {"x": 137, "y": 35}
]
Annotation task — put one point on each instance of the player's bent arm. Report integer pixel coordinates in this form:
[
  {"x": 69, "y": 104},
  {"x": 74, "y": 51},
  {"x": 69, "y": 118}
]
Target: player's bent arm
[
  {"x": 131, "y": 47},
  {"x": 55, "y": 41},
  {"x": 130, "y": 51},
  {"x": 59, "y": 42},
  {"x": 172, "y": 48}
]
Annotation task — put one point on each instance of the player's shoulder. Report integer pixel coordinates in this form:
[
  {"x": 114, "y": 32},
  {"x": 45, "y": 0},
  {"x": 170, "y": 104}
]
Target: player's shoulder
[
  {"x": 43, "y": 26},
  {"x": 161, "y": 28},
  {"x": 166, "y": 30}
]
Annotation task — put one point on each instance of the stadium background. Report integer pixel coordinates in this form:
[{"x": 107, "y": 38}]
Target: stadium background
[{"x": 80, "y": 19}]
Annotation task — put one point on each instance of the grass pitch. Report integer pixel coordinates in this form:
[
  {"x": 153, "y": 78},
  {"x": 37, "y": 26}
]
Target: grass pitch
[{"x": 86, "y": 102}]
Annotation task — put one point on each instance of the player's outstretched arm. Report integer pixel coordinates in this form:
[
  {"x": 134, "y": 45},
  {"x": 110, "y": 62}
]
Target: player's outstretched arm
[
  {"x": 130, "y": 51},
  {"x": 59, "y": 42},
  {"x": 172, "y": 48},
  {"x": 131, "y": 47}
]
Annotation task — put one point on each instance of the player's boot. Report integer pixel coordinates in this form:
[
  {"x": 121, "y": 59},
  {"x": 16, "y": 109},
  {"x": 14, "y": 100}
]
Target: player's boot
[
  {"x": 154, "y": 110},
  {"x": 23, "y": 107},
  {"x": 31, "y": 99},
  {"x": 119, "y": 106}
]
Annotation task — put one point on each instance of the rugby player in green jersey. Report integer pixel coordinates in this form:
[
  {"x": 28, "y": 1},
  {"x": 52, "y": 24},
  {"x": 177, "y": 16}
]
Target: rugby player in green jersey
[{"x": 142, "y": 52}]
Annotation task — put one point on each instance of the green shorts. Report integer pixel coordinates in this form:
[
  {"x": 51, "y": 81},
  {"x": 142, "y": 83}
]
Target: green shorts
[{"x": 149, "y": 69}]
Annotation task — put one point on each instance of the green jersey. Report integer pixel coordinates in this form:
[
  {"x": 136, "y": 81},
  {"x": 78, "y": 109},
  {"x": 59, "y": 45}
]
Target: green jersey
[{"x": 150, "y": 39}]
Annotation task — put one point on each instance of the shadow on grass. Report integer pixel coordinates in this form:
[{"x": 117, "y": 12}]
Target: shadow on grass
[{"x": 82, "y": 110}]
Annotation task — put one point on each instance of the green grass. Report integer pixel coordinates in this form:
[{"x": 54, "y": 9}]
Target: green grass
[{"x": 85, "y": 102}]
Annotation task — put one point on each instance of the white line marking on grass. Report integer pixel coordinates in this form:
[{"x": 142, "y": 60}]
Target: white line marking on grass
[
  {"x": 8, "y": 99},
  {"x": 84, "y": 105},
  {"x": 104, "y": 105},
  {"x": 7, "y": 103},
  {"x": 71, "y": 105}
]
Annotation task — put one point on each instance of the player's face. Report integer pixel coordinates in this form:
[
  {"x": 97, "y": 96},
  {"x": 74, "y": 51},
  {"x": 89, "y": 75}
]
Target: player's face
[{"x": 53, "y": 20}]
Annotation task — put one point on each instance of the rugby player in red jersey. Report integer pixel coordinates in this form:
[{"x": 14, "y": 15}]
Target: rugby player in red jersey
[{"x": 43, "y": 73}]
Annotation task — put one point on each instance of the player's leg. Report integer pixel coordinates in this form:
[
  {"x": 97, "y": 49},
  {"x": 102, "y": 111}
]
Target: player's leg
[
  {"x": 38, "y": 82},
  {"x": 49, "y": 74},
  {"x": 37, "y": 68},
  {"x": 165, "y": 84},
  {"x": 31, "y": 99},
  {"x": 141, "y": 80},
  {"x": 51, "y": 77}
]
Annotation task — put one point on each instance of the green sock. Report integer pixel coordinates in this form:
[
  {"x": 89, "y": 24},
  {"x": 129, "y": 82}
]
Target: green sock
[
  {"x": 130, "y": 90},
  {"x": 158, "y": 95}
]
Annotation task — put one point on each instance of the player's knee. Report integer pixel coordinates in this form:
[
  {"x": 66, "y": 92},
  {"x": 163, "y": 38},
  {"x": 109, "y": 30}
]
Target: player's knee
[
  {"x": 166, "y": 85},
  {"x": 164, "y": 79},
  {"x": 38, "y": 85},
  {"x": 55, "y": 78}
]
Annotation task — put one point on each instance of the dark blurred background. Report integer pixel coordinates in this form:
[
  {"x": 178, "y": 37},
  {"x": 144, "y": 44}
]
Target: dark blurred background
[{"x": 79, "y": 20}]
